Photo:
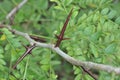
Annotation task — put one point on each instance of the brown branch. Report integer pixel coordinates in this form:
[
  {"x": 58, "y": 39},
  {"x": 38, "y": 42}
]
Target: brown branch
[{"x": 28, "y": 51}]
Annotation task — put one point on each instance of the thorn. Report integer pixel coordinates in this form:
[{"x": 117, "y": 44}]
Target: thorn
[
  {"x": 37, "y": 38},
  {"x": 28, "y": 51},
  {"x": 57, "y": 36},
  {"x": 65, "y": 38},
  {"x": 26, "y": 47},
  {"x": 60, "y": 37}
]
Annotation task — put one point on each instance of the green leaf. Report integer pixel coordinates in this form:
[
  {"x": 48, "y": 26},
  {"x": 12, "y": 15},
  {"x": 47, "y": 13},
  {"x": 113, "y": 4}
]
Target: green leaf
[
  {"x": 96, "y": 17},
  {"x": 74, "y": 14},
  {"x": 112, "y": 14},
  {"x": 89, "y": 30},
  {"x": 94, "y": 37},
  {"x": 43, "y": 4},
  {"x": 1, "y": 50},
  {"x": 7, "y": 47},
  {"x": 2, "y": 68},
  {"x": 94, "y": 50},
  {"x": 1, "y": 56},
  {"x": 21, "y": 16},
  {"x": 82, "y": 18},
  {"x": 78, "y": 77},
  {"x": 45, "y": 67},
  {"x": 99, "y": 27},
  {"x": 4, "y": 3},
  {"x": 53, "y": 76},
  {"x": 77, "y": 71},
  {"x": 66, "y": 2},
  {"x": 45, "y": 61},
  {"x": 105, "y": 11},
  {"x": 102, "y": 20},
  {"x": 118, "y": 20},
  {"x": 3, "y": 37},
  {"x": 55, "y": 62},
  {"x": 10, "y": 38},
  {"x": 58, "y": 7},
  {"x": 111, "y": 48},
  {"x": 7, "y": 33},
  {"x": 2, "y": 62}
]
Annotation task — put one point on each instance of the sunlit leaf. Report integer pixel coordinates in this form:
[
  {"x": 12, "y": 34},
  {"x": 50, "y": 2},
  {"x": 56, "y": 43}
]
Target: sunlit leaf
[{"x": 3, "y": 37}]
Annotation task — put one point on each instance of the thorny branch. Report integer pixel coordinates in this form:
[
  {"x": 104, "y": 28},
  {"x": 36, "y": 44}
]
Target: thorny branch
[{"x": 73, "y": 61}]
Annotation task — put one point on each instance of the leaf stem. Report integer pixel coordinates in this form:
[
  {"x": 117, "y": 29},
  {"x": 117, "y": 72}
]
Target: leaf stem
[{"x": 26, "y": 67}]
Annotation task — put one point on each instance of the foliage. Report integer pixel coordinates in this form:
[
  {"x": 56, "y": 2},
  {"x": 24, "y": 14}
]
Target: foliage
[{"x": 94, "y": 32}]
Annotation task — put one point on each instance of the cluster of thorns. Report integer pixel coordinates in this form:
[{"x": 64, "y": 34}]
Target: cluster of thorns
[{"x": 59, "y": 40}]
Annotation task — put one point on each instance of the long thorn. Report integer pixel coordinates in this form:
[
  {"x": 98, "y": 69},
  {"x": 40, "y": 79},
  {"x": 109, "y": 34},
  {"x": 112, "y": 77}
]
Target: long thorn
[{"x": 28, "y": 50}]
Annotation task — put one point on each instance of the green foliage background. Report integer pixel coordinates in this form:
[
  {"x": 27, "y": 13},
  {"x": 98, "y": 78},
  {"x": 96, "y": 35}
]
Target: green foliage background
[{"x": 94, "y": 32}]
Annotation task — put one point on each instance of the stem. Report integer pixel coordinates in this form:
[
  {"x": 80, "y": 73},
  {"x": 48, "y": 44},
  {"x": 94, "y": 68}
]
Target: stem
[{"x": 26, "y": 67}]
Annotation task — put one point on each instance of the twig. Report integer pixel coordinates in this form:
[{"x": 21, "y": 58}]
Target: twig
[
  {"x": 89, "y": 72},
  {"x": 12, "y": 13},
  {"x": 73, "y": 61}
]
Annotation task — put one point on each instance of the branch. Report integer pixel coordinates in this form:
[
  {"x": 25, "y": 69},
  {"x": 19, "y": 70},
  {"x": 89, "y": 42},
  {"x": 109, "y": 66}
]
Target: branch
[
  {"x": 73, "y": 61},
  {"x": 12, "y": 13}
]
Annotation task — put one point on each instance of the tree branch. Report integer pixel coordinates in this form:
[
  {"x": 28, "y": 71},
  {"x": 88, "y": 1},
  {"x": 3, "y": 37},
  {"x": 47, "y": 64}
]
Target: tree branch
[{"x": 73, "y": 61}]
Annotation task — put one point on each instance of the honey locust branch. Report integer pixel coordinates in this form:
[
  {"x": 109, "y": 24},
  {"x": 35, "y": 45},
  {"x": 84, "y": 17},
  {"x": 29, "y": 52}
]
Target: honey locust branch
[
  {"x": 11, "y": 16},
  {"x": 73, "y": 61}
]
